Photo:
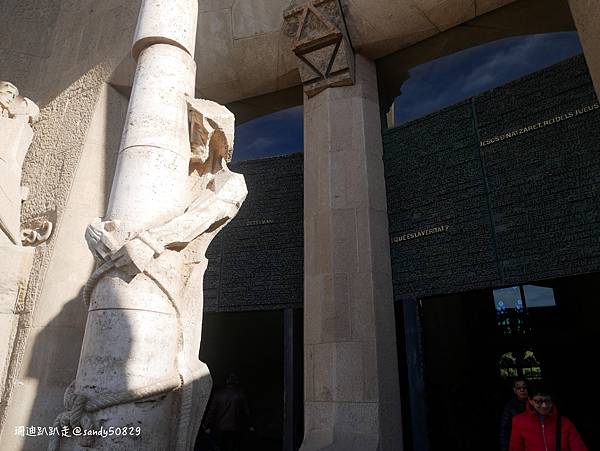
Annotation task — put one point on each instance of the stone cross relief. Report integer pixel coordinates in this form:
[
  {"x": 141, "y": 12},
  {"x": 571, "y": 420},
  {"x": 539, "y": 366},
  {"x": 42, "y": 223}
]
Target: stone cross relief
[
  {"x": 17, "y": 115},
  {"x": 164, "y": 264}
]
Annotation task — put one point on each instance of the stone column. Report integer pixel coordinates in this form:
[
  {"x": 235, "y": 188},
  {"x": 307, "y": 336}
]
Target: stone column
[
  {"x": 352, "y": 399},
  {"x": 139, "y": 375},
  {"x": 585, "y": 14},
  {"x": 130, "y": 347}
]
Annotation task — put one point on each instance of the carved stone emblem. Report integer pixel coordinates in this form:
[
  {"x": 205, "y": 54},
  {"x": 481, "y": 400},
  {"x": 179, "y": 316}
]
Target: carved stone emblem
[{"x": 320, "y": 41}]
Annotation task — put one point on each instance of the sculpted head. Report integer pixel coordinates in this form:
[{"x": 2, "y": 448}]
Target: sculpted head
[
  {"x": 211, "y": 130},
  {"x": 8, "y": 93},
  {"x": 15, "y": 106}
]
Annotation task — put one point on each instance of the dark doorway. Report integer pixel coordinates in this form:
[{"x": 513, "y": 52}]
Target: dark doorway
[
  {"x": 474, "y": 342},
  {"x": 251, "y": 344}
]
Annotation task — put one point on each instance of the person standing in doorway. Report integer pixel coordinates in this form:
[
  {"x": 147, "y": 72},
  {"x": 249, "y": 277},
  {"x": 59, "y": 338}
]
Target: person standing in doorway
[
  {"x": 228, "y": 415},
  {"x": 513, "y": 407},
  {"x": 541, "y": 427}
]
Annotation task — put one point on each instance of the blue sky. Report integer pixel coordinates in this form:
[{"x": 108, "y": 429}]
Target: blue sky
[
  {"x": 278, "y": 133},
  {"x": 431, "y": 86},
  {"x": 445, "y": 81}
]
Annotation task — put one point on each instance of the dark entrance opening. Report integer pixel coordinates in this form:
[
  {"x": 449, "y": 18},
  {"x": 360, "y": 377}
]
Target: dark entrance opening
[
  {"x": 264, "y": 349},
  {"x": 474, "y": 342},
  {"x": 251, "y": 345}
]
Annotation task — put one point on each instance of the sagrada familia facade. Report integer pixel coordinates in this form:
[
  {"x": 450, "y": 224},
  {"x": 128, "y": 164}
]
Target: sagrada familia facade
[{"x": 117, "y": 127}]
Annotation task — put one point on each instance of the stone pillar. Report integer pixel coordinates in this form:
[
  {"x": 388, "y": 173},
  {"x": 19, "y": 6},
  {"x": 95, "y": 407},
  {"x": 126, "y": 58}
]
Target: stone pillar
[
  {"x": 131, "y": 318},
  {"x": 139, "y": 372},
  {"x": 585, "y": 14},
  {"x": 352, "y": 399}
]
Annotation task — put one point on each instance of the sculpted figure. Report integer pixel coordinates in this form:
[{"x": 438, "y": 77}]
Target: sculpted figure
[
  {"x": 215, "y": 193},
  {"x": 14, "y": 106},
  {"x": 17, "y": 114},
  {"x": 150, "y": 283}
]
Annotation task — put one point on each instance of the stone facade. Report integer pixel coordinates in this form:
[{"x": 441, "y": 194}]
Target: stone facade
[{"x": 73, "y": 59}]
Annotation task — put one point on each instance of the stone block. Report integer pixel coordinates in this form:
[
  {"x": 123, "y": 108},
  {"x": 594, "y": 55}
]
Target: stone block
[
  {"x": 373, "y": 375},
  {"x": 344, "y": 241},
  {"x": 336, "y": 314},
  {"x": 361, "y": 308},
  {"x": 256, "y": 63},
  {"x": 309, "y": 383},
  {"x": 320, "y": 417},
  {"x": 359, "y": 418},
  {"x": 485, "y": 6},
  {"x": 218, "y": 65},
  {"x": 15, "y": 264},
  {"x": 257, "y": 17},
  {"x": 165, "y": 21},
  {"x": 8, "y": 330},
  {"x": 324, "y": 372},
  {"x": 314, "y": 297},
  {"x": 380, "y": 243},
  {"x": 323, "y": 181},
  {"x": 340, "y": 124},
  {"x": 350, "y": 371},
  {"x": 213, "y": 5},
  {"x": 447, "y": 13}
]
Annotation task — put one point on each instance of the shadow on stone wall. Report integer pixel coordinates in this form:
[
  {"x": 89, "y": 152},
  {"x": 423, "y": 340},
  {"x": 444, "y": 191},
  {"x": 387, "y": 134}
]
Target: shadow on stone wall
[{"x": 54, "y": 353}]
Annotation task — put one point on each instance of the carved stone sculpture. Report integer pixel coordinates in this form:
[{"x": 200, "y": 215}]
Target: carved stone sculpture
[
  {"x": 17, "y": 114},
  {"x": 171, "y": 195},
  {"x": 320, "y": 41}
]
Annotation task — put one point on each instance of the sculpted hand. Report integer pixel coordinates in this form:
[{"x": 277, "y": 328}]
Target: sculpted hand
[
  {"x": 104, "y": 238},
  {"x": 133, "y": 257}
]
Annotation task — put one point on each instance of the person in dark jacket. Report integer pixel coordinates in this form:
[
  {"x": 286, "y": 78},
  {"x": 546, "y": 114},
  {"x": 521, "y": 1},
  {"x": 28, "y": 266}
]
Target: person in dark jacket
[
  {"x": 513, "y": 407},
  {"x": 228, "y": 415},
  {"x": 536, "y": 428}
]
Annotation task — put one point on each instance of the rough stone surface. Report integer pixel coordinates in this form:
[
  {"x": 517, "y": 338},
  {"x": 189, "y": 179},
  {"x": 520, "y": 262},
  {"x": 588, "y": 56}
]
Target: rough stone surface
[
  {"x": 78, "y": 57},
  {"x": 516, "y": 210},
  {"x": 58, "y": 321},
  {"x": 49, "y": 176}
]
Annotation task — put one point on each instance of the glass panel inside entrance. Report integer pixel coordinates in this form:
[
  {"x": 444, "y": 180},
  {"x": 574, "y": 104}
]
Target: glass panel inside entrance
[{"x": 474, "y": 343}]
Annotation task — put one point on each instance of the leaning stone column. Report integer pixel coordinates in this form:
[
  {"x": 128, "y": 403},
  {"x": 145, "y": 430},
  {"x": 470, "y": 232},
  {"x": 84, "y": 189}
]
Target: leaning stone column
[
  {"x": 139, "y": 380},
  {"x": 351, "y": 383}
]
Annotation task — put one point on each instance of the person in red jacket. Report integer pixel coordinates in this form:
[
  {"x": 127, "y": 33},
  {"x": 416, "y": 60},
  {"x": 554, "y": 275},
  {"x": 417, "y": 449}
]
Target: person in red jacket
[{"x": 536, "y": 428}]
